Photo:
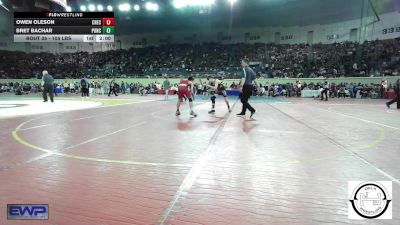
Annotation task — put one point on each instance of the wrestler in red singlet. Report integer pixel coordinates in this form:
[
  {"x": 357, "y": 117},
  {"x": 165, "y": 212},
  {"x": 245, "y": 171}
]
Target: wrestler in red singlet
[{"x": 185, "y": 88}]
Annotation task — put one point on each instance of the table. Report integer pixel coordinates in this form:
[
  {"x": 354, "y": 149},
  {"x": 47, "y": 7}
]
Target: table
[
  {"x": 58, "y": 90},
  {"x": 233, "y": 92},
  {"x": 170, "y": 92},
  {"x": 310, "y": 93},
  {"x": 389, "y": 95}
]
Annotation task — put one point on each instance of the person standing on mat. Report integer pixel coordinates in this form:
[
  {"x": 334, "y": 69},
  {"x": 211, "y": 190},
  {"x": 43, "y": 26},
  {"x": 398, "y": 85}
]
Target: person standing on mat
[
  {"x": 112, "y": 88},
  {"x": 217, "y": 88},
  {"x": 84, "y": 88},
  {"x": 185, "y": 88},
  {"x": 48, "y": 87},
  {"x": 325, "y": 89},
  {"x": 246, "y": 85},
  {"x": 167, "y": 86},
  {"x": 397, "y": 99}
]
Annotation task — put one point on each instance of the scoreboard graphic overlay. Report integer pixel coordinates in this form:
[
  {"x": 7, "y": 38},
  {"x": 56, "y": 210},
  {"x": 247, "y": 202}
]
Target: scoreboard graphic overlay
[{"x": 63, "y": 26}]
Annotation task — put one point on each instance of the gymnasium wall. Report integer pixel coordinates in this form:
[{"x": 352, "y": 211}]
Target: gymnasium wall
[{"x": 322, "y": 33}]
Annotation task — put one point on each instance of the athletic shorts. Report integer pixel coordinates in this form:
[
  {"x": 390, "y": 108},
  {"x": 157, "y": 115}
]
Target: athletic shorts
[
  {"x": 184, "y": 91},
  {"x": 219, "y": 92}
]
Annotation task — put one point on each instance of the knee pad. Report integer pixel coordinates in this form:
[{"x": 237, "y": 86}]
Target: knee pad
[
  {"x": 213, "y": 99},
  {"x": 190, "y": 100}
]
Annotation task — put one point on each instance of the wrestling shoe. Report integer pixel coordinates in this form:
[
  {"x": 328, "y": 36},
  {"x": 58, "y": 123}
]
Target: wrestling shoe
[
  {"x": 193, "y": 114},
  {"x": 211, "y": 111},
  {"x": 177, "y": 113},
  {"x": 252, "y": 113}
]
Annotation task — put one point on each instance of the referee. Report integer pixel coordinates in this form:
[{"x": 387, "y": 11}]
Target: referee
[
  {"x": 397, "y": 99},
  {"x": 248, "y": 77},
  {"x": 325, "y": 90},
  {"x": 47, "y": 82},
  {"x": 113, "y": 88}
]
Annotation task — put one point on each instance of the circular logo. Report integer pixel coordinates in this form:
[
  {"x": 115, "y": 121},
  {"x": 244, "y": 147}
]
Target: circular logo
[{"x": 370, "y": 200}]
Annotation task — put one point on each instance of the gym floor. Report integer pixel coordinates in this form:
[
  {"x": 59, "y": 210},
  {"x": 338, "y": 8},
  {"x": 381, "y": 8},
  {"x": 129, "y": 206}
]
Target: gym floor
[{"x": 137, "y": 163}]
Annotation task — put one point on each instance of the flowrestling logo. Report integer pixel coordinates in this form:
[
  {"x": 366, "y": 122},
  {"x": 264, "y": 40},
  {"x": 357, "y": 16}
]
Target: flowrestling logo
[
  {"x": 27, "y": 211},
  {"x": 370, "y": 200}
]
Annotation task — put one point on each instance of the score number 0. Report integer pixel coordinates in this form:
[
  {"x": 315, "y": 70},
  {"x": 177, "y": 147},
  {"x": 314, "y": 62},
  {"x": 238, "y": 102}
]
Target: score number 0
[{"x": 108, "y": 21}]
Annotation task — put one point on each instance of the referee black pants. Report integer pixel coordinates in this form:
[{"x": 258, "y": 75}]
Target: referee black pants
[
  {"x": 85, "y": 92},
  {"x": 112, "y": 90},
  {"x": 48, "y": 89},
  {"x": 244, "y": 98},
  {"x": 397, "y": 99}
]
